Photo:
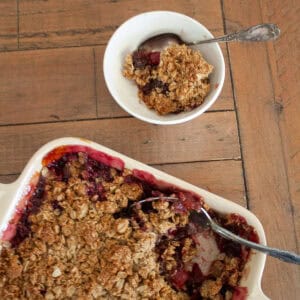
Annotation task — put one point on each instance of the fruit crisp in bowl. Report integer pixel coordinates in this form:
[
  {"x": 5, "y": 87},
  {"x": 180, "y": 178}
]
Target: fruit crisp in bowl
[
  {"x": 171, "y": 81},
  {"x": 131, "y": 85},
  {"x": 80, "y": 237}
]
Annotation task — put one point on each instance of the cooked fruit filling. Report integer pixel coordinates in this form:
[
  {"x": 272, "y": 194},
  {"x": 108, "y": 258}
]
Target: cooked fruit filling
[{"x": 82, "y": 235}]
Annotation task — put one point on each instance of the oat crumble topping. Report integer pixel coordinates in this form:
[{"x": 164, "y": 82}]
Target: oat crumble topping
[
  {"x": 80, "y": 238},
  {"x": 172, "y": 81}
]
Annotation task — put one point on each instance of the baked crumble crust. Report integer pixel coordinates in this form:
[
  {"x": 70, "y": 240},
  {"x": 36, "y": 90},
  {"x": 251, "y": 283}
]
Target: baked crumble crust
[
  {"x": 179, "y": 82},
  {"x": 86, "y": 241}
]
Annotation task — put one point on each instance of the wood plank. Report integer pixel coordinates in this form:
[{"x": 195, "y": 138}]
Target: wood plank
[
  {"x": 286, "y": 77},
  {"x": 266, "y": 176},
  {"x": 47, "y": 85},
  {"x": 8, "y": 25},
  {"x": 224, "y": 178},
  {"x": 225, "y": 100},
  {"x": 212, "y": 136},
  {"x": 108, "y": 108},
  {"x": 75, "y": 22}
]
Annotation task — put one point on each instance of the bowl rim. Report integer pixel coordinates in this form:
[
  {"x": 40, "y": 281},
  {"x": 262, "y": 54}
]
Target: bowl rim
[
  {"x": 200, "y": 109},
  {"x": 11, "y": 194}
]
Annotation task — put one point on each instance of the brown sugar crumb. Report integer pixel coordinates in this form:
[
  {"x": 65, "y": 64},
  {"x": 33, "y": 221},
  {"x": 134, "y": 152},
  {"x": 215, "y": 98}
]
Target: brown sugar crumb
[
  {"x": 210, "y": 288},
  {"x": 172, "y": 81},
  {"x": 81, "y": 238}
]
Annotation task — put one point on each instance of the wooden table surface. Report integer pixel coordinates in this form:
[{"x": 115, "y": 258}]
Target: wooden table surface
[{"x": 245, "y": 148}]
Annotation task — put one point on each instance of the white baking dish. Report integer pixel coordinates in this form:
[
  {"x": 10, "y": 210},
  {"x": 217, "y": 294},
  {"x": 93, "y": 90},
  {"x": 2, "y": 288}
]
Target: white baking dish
[{"x": 10, "y": 195}]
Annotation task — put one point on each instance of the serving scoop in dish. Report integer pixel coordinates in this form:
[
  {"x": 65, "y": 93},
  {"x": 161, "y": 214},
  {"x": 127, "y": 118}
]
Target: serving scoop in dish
[
  {"x": 202, "y": 219},
  {"x": 12, "y": 195}
]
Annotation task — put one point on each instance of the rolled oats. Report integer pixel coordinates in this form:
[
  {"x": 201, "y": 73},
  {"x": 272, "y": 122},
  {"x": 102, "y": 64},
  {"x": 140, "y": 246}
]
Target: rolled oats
[
  {"x": 56, "y": 272},
  {"x": 121, "y": 225}
]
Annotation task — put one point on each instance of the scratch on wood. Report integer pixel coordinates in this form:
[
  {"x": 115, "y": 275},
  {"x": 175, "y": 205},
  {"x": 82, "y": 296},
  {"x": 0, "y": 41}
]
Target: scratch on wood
[
  {"x": 278, "y": 107},
  {"x": 211, "y": 128},
  {"x": 55, "y": 117},
  {"x": 295, "y": 154},
  {"x": 36, "y": 34},
  {"x": 8, "y": 36},
  {"x": 147, "y": 142}
]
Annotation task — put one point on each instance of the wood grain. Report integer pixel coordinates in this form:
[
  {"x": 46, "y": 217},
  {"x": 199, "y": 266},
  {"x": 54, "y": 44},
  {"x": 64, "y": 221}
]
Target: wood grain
[
  {"x": 108, "y": 108},
  {"x": 224, "y": 178},
  {"x": 266, "y": 175},
  {"x": 220, "y": 177},
  {"x": 87, "y": 22},
  {"x": 66, "y": 85},
  {"x": 212, "y": 136},
  {"x": 286, "y": 77},
  {"x": 47, "y": 85},
  {"x": 8, "y": 25}
]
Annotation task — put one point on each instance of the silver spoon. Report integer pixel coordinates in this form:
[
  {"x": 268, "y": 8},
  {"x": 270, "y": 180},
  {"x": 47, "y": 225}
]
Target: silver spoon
[
  {"x": 257, "y": 33},
  {"x": 203, "y": 219}
]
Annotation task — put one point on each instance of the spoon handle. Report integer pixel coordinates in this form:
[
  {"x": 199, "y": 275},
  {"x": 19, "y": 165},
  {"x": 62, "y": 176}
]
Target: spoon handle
[
  {"x": 280, "y": 254},
  {"x": 257, "y": 33}
]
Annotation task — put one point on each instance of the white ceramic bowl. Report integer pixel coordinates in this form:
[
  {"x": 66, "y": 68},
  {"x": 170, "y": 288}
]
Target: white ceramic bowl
[
  {"x": 11, "y": 194},
  {"x": 136, "y": 30}
]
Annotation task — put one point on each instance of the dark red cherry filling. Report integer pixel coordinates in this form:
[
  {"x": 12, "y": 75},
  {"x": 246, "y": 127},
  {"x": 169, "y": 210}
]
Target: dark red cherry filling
[
  {"x": 23, "y": 227},
  {"x": 56, "y": 205},
  {"x": 153, "y": 84},
  {"x": 142, "y": 58},
  {"x": 60, "y": 168}
]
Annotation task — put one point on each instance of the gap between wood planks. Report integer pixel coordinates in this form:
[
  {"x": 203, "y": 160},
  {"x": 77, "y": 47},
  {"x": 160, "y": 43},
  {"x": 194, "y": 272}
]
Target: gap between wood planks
[
  {"x": 94, "y": 119},
  {"x": 235, "y": 107}
]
